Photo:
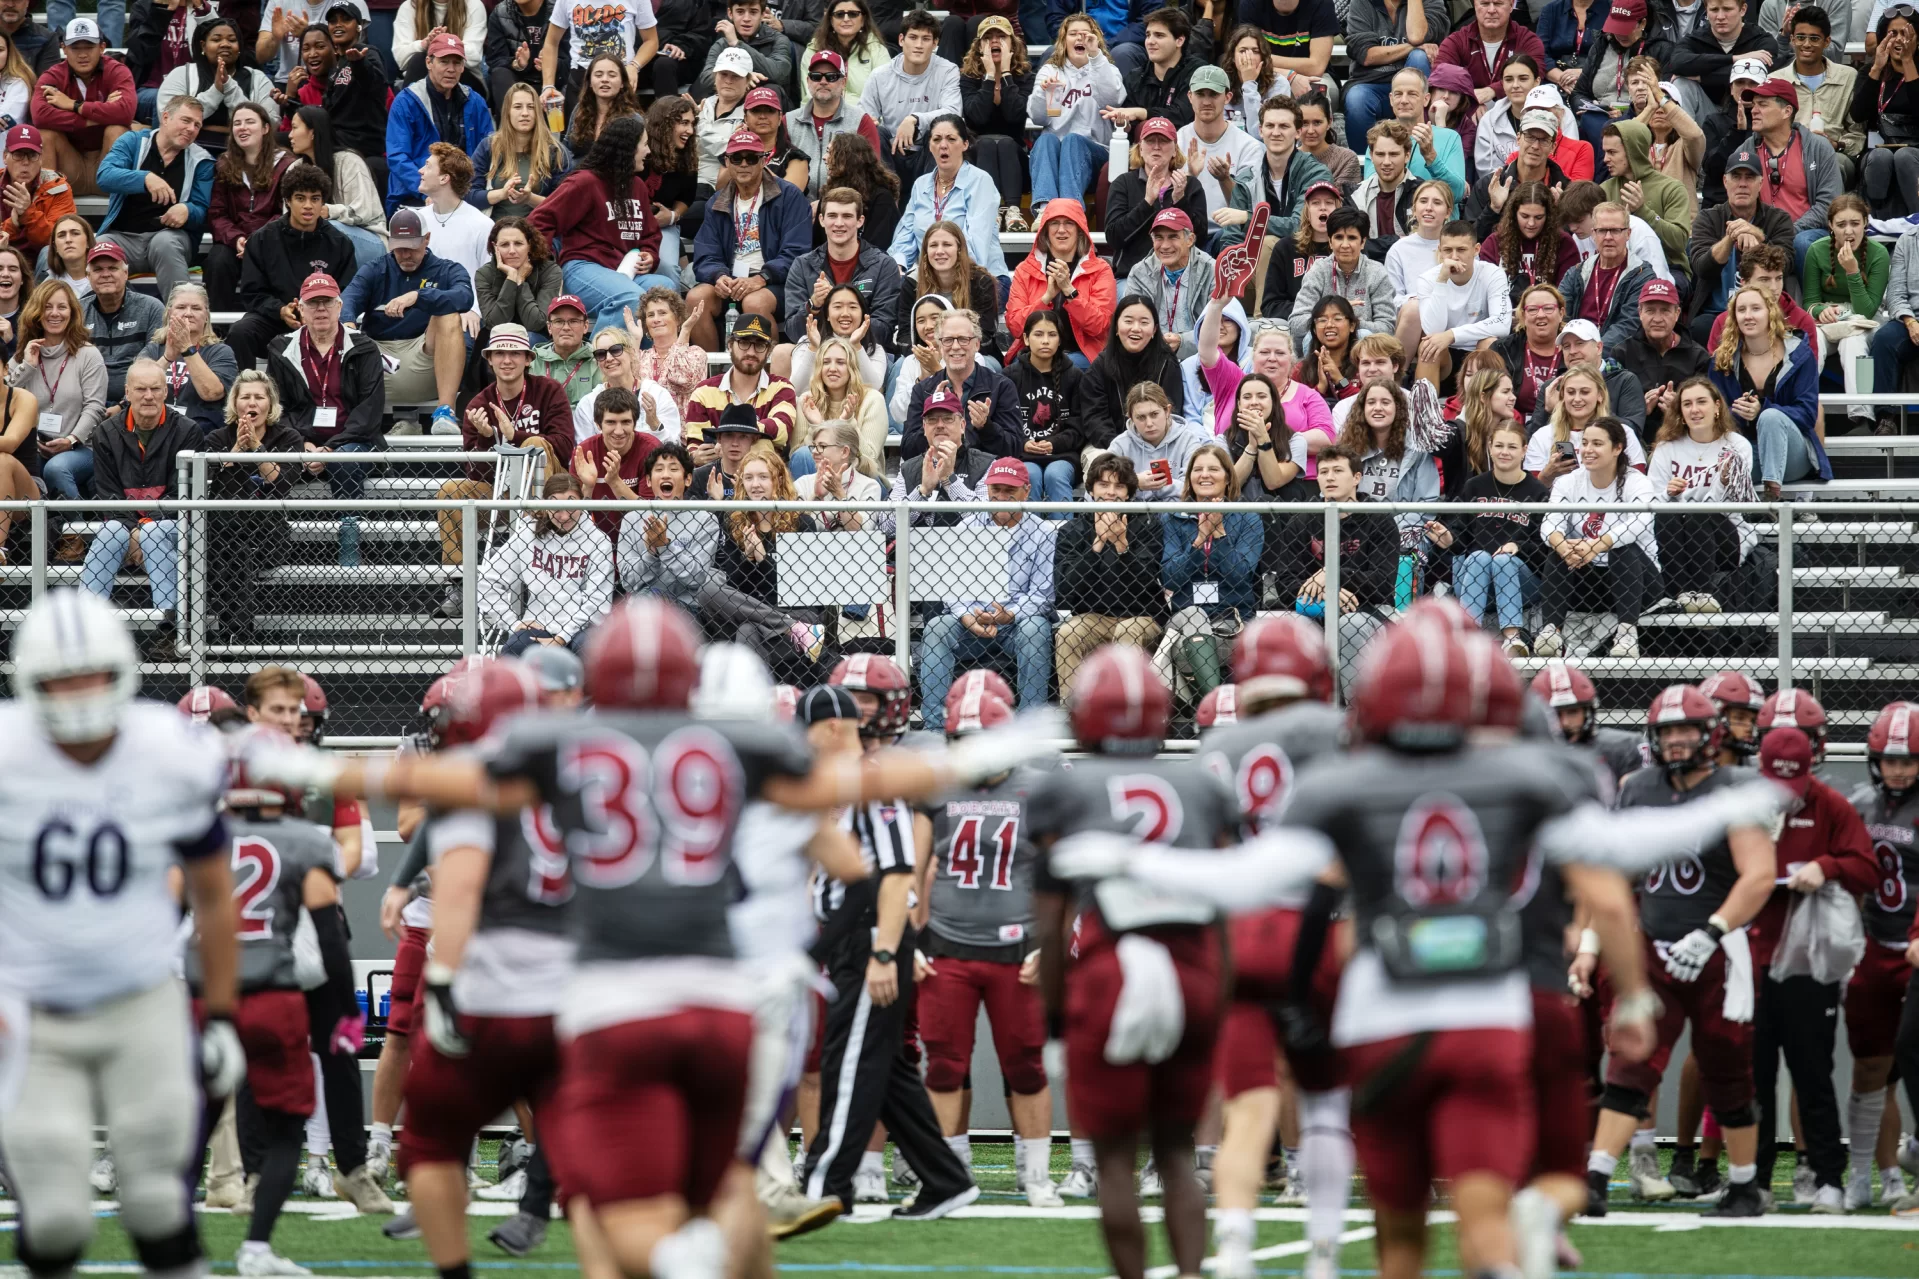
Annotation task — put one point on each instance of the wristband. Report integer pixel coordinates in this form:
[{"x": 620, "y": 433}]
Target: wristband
[
  {"x": 438, "y": 973},
  {"x": 1717, "y": 923},
  {"x": 1266, "y": 447},
  {"x": 1588, "y": 941}
]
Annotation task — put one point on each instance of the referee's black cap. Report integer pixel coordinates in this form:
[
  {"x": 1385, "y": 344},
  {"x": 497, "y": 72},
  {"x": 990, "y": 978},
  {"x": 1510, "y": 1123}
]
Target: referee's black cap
[{"x": 826, "y": 701}]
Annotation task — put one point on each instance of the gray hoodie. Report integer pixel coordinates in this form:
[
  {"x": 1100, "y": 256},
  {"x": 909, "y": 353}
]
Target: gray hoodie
[
  {"x": 1175, "y": 449},
  {"x": 891, "y": 95},
  {"x": 678, "y": 569}
]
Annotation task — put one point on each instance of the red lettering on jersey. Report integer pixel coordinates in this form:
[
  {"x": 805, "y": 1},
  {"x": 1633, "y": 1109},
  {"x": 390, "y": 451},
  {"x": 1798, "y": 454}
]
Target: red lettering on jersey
[
  {"x": 1148, "y": 805},
  {"x": 1265, "y": 786},
  {"x": 1891, "y": 895},
  {"x": 1441, "y": 858},
  {"x": 549, "y": 882},
  {"x": 256, "y": 873}
]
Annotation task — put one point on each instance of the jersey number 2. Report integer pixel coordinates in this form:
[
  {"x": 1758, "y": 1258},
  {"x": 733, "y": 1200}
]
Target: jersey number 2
[
  {"x": 256, "y": 873},
  {"x": 60, "y": 859},
  {"x": 963, "y": 857},
  {"x": 676, "y": 804}
]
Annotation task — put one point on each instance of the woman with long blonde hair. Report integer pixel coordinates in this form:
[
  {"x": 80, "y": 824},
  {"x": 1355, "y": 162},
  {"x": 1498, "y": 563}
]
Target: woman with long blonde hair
[
  {"x": 743, "y": 596},
  {"x": 1770, "y": 378},
  {"x": 418, "y": 19},
  {"x": 839, "y": 389},
  {"x": 521, "y": 162},
  {"x": 16, "y": 80},
  {"x": 1574, "y": 400},
  {"x": 946, "y": 267},
  {"x": 1071, "y": 92},
  {"x": 1486, "y": 403}
]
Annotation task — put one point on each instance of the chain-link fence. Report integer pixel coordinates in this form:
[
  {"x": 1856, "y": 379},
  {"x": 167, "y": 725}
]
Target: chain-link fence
[{"x": 376, "y": 594}]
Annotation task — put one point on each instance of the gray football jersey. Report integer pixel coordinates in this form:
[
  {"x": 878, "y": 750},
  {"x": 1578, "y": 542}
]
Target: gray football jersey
[
  {"x": 1180, "y": 804},
  {"x": 1680, "y": 898},
  {"x": 1895, "y": 848},
  {"x": 1439, "y": 850},
  {"x": 1624, "y": 753},
  {"x": 647, "y": 805},
  {"x": 528, "y": 880},
  {"x": 982, "y": 889},
  {"x": 1548, "y": 911},
  {"x": 271, "y": 859},
  {"x": 1260, "y": 757}
]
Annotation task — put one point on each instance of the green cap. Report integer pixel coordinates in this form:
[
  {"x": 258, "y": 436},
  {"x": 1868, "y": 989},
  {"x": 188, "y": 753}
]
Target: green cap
[{"x": 1209, "y": 77}]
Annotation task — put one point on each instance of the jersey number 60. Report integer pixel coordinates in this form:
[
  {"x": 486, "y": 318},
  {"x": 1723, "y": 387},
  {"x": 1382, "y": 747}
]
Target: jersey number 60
[{"x": 59, "y": 859}]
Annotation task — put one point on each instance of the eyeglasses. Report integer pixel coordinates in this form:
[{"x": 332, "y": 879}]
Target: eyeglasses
[
  {"x": 1609, "y": 230},
  {"x": 606, "y": 353},
  {"x": 825, "y": 77},
  {"x": 744, "y": 158},
  {"x": 752, "y": 344},
  {"x": 958, "y": 341}
]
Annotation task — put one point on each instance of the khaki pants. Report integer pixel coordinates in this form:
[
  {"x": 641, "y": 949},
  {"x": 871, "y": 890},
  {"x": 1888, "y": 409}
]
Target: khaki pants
[
  {"x": 461, "y": 490},
  {"x": 1081, "y": 633}
]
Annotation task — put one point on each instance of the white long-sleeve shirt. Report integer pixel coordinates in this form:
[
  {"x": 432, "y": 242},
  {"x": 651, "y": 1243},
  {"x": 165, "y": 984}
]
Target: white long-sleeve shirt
[
  {"x": 1479, "y": 309},
  {"x": 1410, "y": 257},
  {"x": 567, "y": 579},
  {"x": 1082, "y": 94},
  {"x": 1590, "y": 521}
]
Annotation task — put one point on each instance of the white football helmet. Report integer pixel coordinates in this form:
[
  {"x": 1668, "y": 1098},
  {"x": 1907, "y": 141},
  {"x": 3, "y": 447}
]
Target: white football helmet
[
  {"x": 74, "y": 632},
  {"x": 734, "y": 684}
]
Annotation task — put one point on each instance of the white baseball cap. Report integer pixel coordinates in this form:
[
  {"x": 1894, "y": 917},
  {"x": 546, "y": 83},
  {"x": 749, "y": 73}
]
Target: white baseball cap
[
  {"x": 1584, "y": 330},
  {"x": 82, "y": 31},
  {"x": 1749, "y": 69},
  {"x": 736, "y": 60}
]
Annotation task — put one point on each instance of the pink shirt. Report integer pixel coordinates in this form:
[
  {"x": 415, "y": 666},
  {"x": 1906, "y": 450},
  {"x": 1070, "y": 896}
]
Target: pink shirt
[{"x": 1305, "y": 408}]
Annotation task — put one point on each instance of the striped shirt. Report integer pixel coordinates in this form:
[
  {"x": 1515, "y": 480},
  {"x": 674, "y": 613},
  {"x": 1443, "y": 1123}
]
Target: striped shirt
[{"x": 885, "y": 835}]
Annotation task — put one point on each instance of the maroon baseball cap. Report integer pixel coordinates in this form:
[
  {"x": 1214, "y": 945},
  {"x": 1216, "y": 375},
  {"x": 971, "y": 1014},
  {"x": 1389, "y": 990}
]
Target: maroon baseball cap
[
  {"x": 106, "y": 249},
  {"x": 744, "y": 140},
  {"x": 1158, "y": 127},
  {"x": 1626, "y": 14},
  {"x": 764, "y": 96},
  {"x": 1785, "y": 755},
  {"x": 1174, "y": 218},
  {"x": 319, "y": 285},
  {"x": 1323, "y": 188},
  {"x": 1008, "y": 470},
  {"x": 1658, "y": 290},
  {"x": 944, "y": 400},
  {"x": 1784, "y": 90},
  {"x": 566, "y": 299},
  {"x": 23, "y": 137},
  {"x": 446, "y": 45},
  {"x": 830, "y": 58}
]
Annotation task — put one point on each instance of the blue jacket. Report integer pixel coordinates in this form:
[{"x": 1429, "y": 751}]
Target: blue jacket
[
  {"x": 120, "y": 176},
  {"x": 1796, "y": 394},
  {"x": 410, "y": 131},
  {"x": 1123, "y": 21},
  {"x": 786, "y": 231},
  {"x": 1232, "y": 561},
  {"x": 444, "y": 287}
]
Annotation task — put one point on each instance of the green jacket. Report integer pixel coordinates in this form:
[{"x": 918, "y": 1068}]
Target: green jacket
[
  {"x": 1863, "y": 291},
  {"x": 576, "y": 373},
  {"x": 1666, "y": 207}
]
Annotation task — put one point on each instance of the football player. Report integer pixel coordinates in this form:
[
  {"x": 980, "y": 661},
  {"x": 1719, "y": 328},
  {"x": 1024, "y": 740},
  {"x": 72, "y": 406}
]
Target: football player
[{"x": 103, "y": 797}]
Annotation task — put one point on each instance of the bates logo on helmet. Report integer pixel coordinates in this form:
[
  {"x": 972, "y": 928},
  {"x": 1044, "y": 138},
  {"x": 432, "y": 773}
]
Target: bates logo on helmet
[{"x": 1441, "y": 857}]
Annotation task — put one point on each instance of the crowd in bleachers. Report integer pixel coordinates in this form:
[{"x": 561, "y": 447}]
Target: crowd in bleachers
[{"x": 1589, "y": 252}]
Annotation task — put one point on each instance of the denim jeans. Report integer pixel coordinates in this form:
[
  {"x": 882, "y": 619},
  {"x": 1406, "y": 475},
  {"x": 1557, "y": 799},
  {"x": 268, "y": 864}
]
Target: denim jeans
[
  {"x": 112, "y": 17},
  {"x": 1051, "y": 482},
  {"x": 366, "y": 245},
  {"x": 1892, "y": 349},
  {"x": 520, "y": 641},
  {"x": 159, "y": 544},
  {"x": 1783, "y": 454},
  {"x": 69, "y": 475},
  {"x": 607, "y": 293},
  {"x": 946, "y": 642},
  {"x": 1505, "y": 579},
  {"x": 801, "y": 463},
  {"x": 1367, "y": 104},
  {"x": 1064, "y": 167}
]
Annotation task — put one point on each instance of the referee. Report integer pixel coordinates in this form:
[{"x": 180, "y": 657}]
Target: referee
[{"x": 867, "y": 950}]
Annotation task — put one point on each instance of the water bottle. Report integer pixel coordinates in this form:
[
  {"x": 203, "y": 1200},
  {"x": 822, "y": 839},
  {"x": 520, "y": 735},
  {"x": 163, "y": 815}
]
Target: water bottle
[
  {"x": 386, "y": 1004},
  {"x": 360, "y": 998},
  {"x": 732, "y": 318},
  {"x": 1818, "y": 124}
]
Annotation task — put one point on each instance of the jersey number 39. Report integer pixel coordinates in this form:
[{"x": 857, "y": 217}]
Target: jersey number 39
[{"x": 676, "y": 804}]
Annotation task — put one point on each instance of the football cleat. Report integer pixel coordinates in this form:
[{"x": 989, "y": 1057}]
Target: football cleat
[
  {"x": 1828, "y": 1201},
  {"x": 402, "y": 1226},
  {"x": 869, "y": 1186},
  {"x": 359, "y": 1189},
  {"x": 1644, "y": 1174},
  {"x": 265, "y": 1261},
  {"x": 518, "y": 1235},
  {"x": 1858, "y": 1189},
  {"x": 1804, "y": 1187},
  {"x": 1081, "y": 1182},
  {"x": 1598, "y": 1188},
  {"x": 1043, "y": 1194},
  {"x": 316, "y": 1181},
  {"x": 922, "y": 1209},
  {"x": 1742, "y": 1200},
  {"x": 1682, "y": 1175},
  {"x": 1149, "y": 1182}
]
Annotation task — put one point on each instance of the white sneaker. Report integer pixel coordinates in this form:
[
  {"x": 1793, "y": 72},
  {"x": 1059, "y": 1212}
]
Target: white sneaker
[
  {"x": 1646, "y": 1181},
  {"x": 1149, "y": 1183},
  {"x": 1858, "y": 1190},
  {"x": 226, "y": 1194},
  {"x": 509, "y": 1190},
  {"x": 1043, "y": 1194},
  {"x": 1909, "y": 1156},
  {"x": 265, "y": 1261},
  {"x": 1625, "y": 640},
  {"x": 1892, "y": 1184},
  {"x": 101, "y": 1175},
  {"x": 1535, "y": 1224},
  {"x": 1234, "y": 1260},
  {"x": 1549, "y": 642},
  {"x": 316, "y": 1181},
  {"x": 1827, "y": 1201},
  {"x": 1698, "y": 602},
  {"x": 869, "y": 1186},
  {"x": 1082, "y": 1182},
  {"x": 1804, "y": 1189}
]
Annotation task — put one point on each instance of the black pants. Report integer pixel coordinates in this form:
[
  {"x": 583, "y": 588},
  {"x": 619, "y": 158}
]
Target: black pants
[
  {"x": 1618, "y": 587},
  {"x": 537, "y": 1199},
  {"x": 251, "y": 334},
  {"x": 1799, "y": 1017},
  {"x": 1905, "y": 1048},
  {"x": 1004, "y": 162},
  {"x": 340, "y": 1078},
  {"x": 880, "y": 1086},
  {"x": 1695, "y": 550},
  {"x": 220, "y": 272}
]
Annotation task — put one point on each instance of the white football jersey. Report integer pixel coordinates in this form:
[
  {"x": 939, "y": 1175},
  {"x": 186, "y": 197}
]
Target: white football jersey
[
  {"x": 85, "y": 915},
  {"x": 775, "y": 917}
]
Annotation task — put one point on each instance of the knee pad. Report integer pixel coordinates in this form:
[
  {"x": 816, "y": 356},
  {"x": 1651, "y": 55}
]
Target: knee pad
[
  {"x": 946, "y": 1070},
  {"x": 176, "y": 1251},
  {"x": 1624, "y": 1100},
  {"x": 1024, "y": 1072},
  {"x": 45, "y": 1263},
  {"x": 1737, "y": 1116}
]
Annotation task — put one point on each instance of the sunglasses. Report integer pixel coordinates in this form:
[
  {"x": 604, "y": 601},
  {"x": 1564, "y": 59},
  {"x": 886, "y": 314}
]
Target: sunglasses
[
  {"x": 824, "y": 77},
  {"x": 606, "y": 353},
  {"x": 847, "y": 13},
  {"x": 744, "y": 158}
]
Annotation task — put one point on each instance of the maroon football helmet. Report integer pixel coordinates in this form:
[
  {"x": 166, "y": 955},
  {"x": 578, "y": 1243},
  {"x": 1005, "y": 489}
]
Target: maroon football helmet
[
  {"x": 971, "y": 710},
  {"x": 1562, "y": 686},
  {"x": 1280, "y": 657},
  {"x": 1120, "y": 706},
  {"x": 1498, "y": 696},
  {"x": 1684, "y": 704},
  {"x": 477, "y": 694},
  {"x": 202, "y": 700},
  {"x": 881, "y": 676},
  {"x": 1891, "y": 737},
  {"x": 1799, "y": 709},
  {"x": 986, "y": 680},
  {"x": 313, "y": 706},
  {"x": 643, "y": 656},
  {"x": 1418, "y": 688},
  {"x": 1730, "y": 691},
  {"x": 1220, "y": 706}
]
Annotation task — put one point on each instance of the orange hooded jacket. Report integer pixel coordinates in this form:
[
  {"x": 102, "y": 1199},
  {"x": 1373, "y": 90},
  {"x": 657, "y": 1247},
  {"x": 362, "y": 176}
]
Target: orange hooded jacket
[{"x": 1090, "y": 311}]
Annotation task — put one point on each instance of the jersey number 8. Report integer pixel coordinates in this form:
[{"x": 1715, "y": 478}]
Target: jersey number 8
[
  {"x": 677, "y": 804},
  {"x": 59, "y": 860},
  {"x": 1891, "y": 896}
]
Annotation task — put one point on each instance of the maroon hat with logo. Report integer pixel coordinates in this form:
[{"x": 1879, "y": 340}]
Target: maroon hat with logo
[
  {"x": 945, "y": 400},
  {"x": 1008, "y": 470},
  {"x": 446, "y": 45},
  {"x": 830, "y": 58},
  {"x": 1323, "y": 188},
  {"x": 23, "y": 137},
  {"x": 1785, "y": 755},
  {"x": 106, "y": 249},
  {"x": 566, "y": 299},
  {"x": 1174, "y": 218},
  {"x": 1784, "y": 90},
  {"x": 745, "y": 141},
  {"x": 1158, "y": 127},
  {"x": 319, "y": 285},
  {"x": 1658, "y": 290},
  {"x": 1626, "y": 14},
  {"x": 764, "y": 96}
]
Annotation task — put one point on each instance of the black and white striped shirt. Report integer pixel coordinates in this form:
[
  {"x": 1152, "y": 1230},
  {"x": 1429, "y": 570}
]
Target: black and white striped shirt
[{"x": 884, "y": 832}]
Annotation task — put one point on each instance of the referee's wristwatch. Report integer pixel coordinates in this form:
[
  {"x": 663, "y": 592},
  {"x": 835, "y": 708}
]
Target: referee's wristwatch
[{"x": 884, "y": 956}]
